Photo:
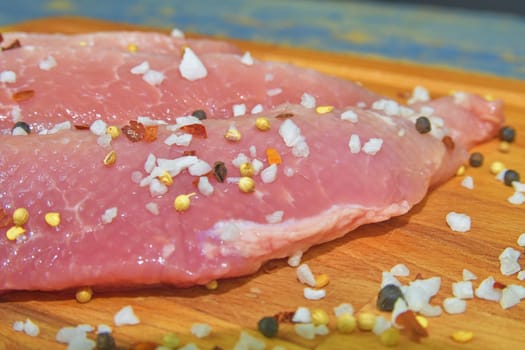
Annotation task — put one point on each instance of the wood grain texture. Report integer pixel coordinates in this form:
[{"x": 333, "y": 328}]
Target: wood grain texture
[{"x": 420, "y": 239}]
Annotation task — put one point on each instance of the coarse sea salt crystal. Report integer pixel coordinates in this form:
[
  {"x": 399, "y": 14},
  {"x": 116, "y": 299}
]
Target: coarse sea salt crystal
[
  {"x": 400, "y": 307},
  {"x": 354, "y": 144},
  {"x": 518, "y": 186},
  {"x": 487, "y": 291},
  {"x": 381, "y": 324},
  {"x": 521, "y": 240},
  {"x": 153, "y": 77},
  {"x": 157, "y": 188},
  {"x": 150, "y": 162},
  {"x": 98, "y": 127},
  {"x": 63, "y": 126},
  {"x": 275, "y": 217},
  {"x": 389, "y": 278},
  {"x": 288, "y": 171},
  {"x": 463, "y": 290},
  {"x": 7, "y": 76},
  {"x": 19, "y": 131},
  {"x": 81, "y": 342},
  {"x": 240, "y": 159},
  {"x": 350, "y": 115},
  {"x": 153, "y": 208},
  {"x": 199, "y": 168},
  {"x": 321, "y": 329},
  {"x": 269, "y": 174},
  {"x": 509, "y": 261},
  {"x": 140, "y": 69},
  {"x": 372, "y": 146},
  {"x": 47, "y": 63},
  {"x": 305, "y": 275},
  {"x": 469, "y": 275},
  {"x": 239, "y": 109},
  {"x": 274, "y": 92},
  {"x": 305, "y": 330},
  {"x": 204, "y": 186},
  {"x": 109, "y": 215},
  {"x": 177, "y": 33},
  {"x": 400, "y": 270},
  {"x": 147, "y": 121},
  {"x": 509, "y": 298},
  {"x": 302, "y": 315},
  {"x": 521, "y": 275},
  {"x": 126, "y": 316},
  {"x": 191, "y": 67},
  {"x": 253, "y": 151},
  {"x": 200, "y": 330},
  {"x": 344, "y": 308},
  {"x": 314, "y": 294},
  {"x": 247, "y": 58},
  {"x": 295, "y": 259},
  {"x": 454, "y": 305},
  {"x": 419, "y": 94},
  {"x": 517, "y": 198},
  {"x": 468, "y": 182},
  {"x": 104, "y": 328},
  {"x": 189, "y": 346},
  {"x": 258, "y": 108},
  {"x": 103, "y": 140},
  {"x": 458, "y": 222},
  {"x": 257, "y": 166},
  {"x": 431, "y": 310},
  {"x": 248, "y": 342},
  {"x": 308, "y": 101},
  {"x": 179, "y": 140}
]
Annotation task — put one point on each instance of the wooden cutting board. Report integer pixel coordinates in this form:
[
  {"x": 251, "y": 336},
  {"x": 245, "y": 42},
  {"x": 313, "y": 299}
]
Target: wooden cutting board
[{"x": 420, "y": 239}]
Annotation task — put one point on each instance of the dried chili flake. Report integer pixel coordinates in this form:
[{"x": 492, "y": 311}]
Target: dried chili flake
[
  {"x": 81, "y": 127},
  {"x": 284, "y": 316},
  {"x": 197, "y": 130},
  {"x": 1, "y": 38},
  {"x": 419, "y": 276},
  {"x": 499, "y": 285},
  {"x": 23, "y": 95},
  {"x": 5, "y": 219},
  {"x": 448, "y": 142},
  {"x": 408, "y": 320},
  {"x": 150, "y": 133},
  {"x": 284, "y": 115},
  {"x": 134, "y": 131},
  {"x": 14, "y": 45},
  {"x": 189, "y": 153},
  {"x": 219, "y": 171},
  {"x": 144, "y": 346}
]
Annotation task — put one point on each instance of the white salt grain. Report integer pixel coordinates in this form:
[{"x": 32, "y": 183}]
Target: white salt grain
[
  {"x": 400, "y": 270},
  {"x": 157, "y": 188},
  {"x": 258, "y": 108},
  {"x": 247, "y": 59},
  {"x": 153, "y": 208},
  {"x": 18, "y": 326},
  {"x": 521, "y": 275},
  {"x": 321, "y": 329},
  {"x": 295, "y": 259},
  {"x": 153, "y": 77},
  {"x": 354, "y": 144},
  {"x": 98, "y": 127},
  {"x": 302, "y": 315},
  {"x": 349, "y": 115},
  {"x": 47, "y": 63},
  {"x": 400, "y": 307},
  {"x": 314, "y": 294},
  {"x": 239, "y": 109},
  {"x": 140, "y": 69},
  {"x": 31, "y": 328},
  {"x": 518, "y": 186},
  {"x": 458, "y": 222},
  {"x": 104, "y": 328},
  {"x": 305, "y": 330},
  {"x": 7, "y": 76},
  {"x": 305, "y": 275},
  {"x": 509, "y": 298},
  {"x": 199, "y": 168},
  {"x": 487, "y": 291},
  {"x": 150, "y": 162},
  {"x": 419, "y": 94},
  {"x": 126, "y": 316},
  {"x": 469, "y": 275},
  {"x": 189, "y": 346},
  {"x": 521, "y": 240},
  {"x": 389, "y": 278},
  {"x": 204, "y": 186},
  {"x": 177, "y": 33},
  {"x": 200, "y": 330},
  {"x": 81, "y": 342},
  {"x": 102, "y": 140},
  {"x": 463, "y": 290},
  {"x": 468, "y": 182},
  {"x": 275, "y": 217},
  {"x": 269, "y": 174},
  {"x": 431, "y": 310},
  {"x": 274, "y": 92},
  {"x": 381, "y": 324},
  {"x": 342, "y": 309},
  {"x": 454, "y": 305},
  {"x": 257, "y": 166},
  {"x": 509, "y": 261},
  {"x": 179, "y": 140},
  {"x": 248, "y": 342},
  {"x": 518, "y": 198},
  {"x": 191, "y": 67},
  {"x": 372, "y": 146},
  {"x": 308, "y": 101},
  {"x": 240, "y": 160},
  {"x": 109, "y": 215}
]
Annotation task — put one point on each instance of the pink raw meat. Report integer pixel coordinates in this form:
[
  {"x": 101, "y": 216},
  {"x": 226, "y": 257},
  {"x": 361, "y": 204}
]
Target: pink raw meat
[
  {"x": 324, "y": 187},
  {"x": 95, "y": 82}
]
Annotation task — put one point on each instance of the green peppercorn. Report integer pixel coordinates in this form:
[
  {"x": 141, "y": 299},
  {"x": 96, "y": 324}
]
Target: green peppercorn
[
  {"x": 476, "y": 160},
  {"x": 510, "y": 176},
  {"x": 388, "y": 296},
  {"x": 423, "y": 125},
  {"x": 268, "y": 326},
  {"x": 507, "y": 134},
  {"x": 105, "y": 341},
  {"x": 199, "y": 114},
  {"x": 23, "y": 125}
]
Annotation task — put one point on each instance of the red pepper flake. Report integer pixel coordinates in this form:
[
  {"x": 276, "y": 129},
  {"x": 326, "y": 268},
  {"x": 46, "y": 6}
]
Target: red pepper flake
[
  {"x": 197, "y": 130},
  {"x": 499, "y": 285},
  {"x": 134, "y": 131},
  {"x": 81, "y": 127},
  {"x": 284, "y": 116},
  {"x": 150, "y": 133},
  {"x": 189, "y": 153},
  {"x": 419, "y": 276},
  {"x": 5, "y": 219},
  {"x": 408, "y": 320},
  {"x": 14, "y": 45},
  {"x": 284, "y": 316},
  {"x": 1, "y": 38},
  {"x": 23, "y": 95},
  {"x": 144, "y": 346},
  {"x": 448, "y": 142}
]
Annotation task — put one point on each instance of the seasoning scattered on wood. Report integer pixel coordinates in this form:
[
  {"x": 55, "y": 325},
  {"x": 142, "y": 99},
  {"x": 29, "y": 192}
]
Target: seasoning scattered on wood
[
  {"x": 423, "y": 125},
  {"x": 105, "y": 341},
  {"x": 134, "y": 131},
  {"x": 23, "y": 95},
  {"x": 388, "y": 296},
  {"x": 284, "y": 316},
  {"x": 268, "y": 326},
  {"x": 476, "y": 160},
  {"x": 408, "y": 320},
  {"x": 219, "y": 171},
  {"x": 84, "y": 295},
  {"x": 510, "y": 176},
  {"x": 507, "y": 134}
]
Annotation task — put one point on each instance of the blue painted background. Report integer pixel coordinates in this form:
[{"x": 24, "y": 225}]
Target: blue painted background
[{"x": 477, "y": 41}]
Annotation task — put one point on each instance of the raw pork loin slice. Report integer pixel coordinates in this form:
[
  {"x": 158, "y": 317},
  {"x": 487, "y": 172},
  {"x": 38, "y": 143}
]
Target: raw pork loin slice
[{"x": 118, "y": 224}]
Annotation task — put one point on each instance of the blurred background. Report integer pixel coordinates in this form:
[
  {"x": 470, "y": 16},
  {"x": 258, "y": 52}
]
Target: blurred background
[{"x": 486, "y": 36}]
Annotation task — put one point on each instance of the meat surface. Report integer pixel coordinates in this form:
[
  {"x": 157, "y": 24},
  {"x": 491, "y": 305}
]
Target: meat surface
[{"x": 324, "y": 187}]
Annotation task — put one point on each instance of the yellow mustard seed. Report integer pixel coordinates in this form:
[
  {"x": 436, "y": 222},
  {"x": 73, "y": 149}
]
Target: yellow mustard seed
[
  {"x": 113, "y": 131},
  {"x": 390, "y": 337},
  {"x": 52, "y": 219},
  {"x": 166, "y": 178},
  {"x": 324, "y": 109},
  {"x": 462, "y": 336},
  {"x": 320, "y": 317},
  {"x": 14, "y": 232},
  {"x": 262, "y": 124},
  {"x": 133, "y": 48},
  {"x": 346, "y": 323},
  {"x": 182, "y": 201},
  {"x": 322, "y": 280},
  {"x": 212, "y": 285},
  {"x": 366, "y": 321},
  {"x": 496, "y": 167},
  {"x": 20, "y": 216},
  {"x": 504, "y": 147},
  {"x": 246, "y": 169},
  {"x": 246, "y": 184},
  {"x": 84, "y": 295},
  {"x": 461, "y": 170},
  {"x": 422, "y": 321},
  {"x": 233, "y": 134},
  {"x": 110, "y": 158},
  {"x": 82, "y": 43}
]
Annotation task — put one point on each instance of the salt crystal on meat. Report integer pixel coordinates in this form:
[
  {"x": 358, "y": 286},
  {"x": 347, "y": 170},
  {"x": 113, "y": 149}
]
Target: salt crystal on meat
[
  {"x": 7, "y": 76},
  {"x": 47, "y": 63},
  {"x": 191, "y": 67}
]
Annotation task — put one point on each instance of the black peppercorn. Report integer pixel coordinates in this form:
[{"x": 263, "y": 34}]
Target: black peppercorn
[
  {"x": 105, "y": 341},
  {"x": 510, "y": 176},
  {"x": 388, "y": 296},
  {"x": 23, "y": 125},
  {"x": 507, "y": 134},
  {"x": 476, "y": 160},
  {"x": 268, "y": 326},
  {"x": 199, "y": 114},
  {"x": 423, "y": 125}
]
